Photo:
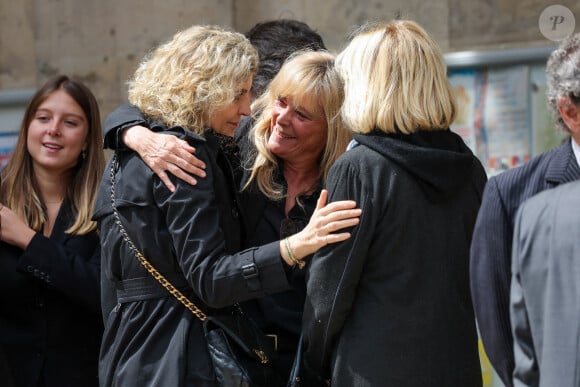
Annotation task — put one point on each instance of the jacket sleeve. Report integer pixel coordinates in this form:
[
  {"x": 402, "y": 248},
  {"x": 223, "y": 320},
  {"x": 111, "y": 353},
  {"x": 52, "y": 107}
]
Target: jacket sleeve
[
  {"x": 73, "y": 272},
  {"x": 526, "y": 371},
  {"x": 490, "y": 272},
  {"x": 219, "y": 279},
  {"x": 334, "y": 275},
  {"x": 123, "y": 117}
]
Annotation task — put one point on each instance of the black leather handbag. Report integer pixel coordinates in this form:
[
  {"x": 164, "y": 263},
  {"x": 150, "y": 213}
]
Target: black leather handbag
[{"x": 242, "y": 355}]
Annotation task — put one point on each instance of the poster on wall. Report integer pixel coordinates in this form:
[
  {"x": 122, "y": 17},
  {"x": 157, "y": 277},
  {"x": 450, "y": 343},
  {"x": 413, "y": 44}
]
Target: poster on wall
[
  {"x": 7, "y": 144},
  {"x": 463, "y": 83},
  {"x": 506, "y": 118},
  {"x": 469, "y": 86}
]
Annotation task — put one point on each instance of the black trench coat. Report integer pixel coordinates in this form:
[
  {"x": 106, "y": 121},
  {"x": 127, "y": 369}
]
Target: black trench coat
[{"x": 150, "y": 339}]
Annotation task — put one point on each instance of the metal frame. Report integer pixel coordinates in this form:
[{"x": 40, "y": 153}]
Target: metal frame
[{"x": 473, "y": 59}]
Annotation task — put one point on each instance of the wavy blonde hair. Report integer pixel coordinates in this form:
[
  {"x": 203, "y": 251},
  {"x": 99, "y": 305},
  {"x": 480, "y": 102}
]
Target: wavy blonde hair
[
  {"x": 395, "y": 80},
  {"x": 306, "y": 75},
  {"x": 19, "y": 190},
  {"x": 184, "y": 81}
]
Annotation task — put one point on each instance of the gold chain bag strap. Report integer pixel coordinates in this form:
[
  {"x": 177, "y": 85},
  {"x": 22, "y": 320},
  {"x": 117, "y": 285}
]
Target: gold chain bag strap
[
  {"x": 141, "y": 258},
  {"x": 240, "y": 352}
]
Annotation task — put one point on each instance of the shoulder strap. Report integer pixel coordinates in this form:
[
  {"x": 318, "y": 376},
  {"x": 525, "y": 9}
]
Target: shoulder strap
[{"x": 141, "y": 258}]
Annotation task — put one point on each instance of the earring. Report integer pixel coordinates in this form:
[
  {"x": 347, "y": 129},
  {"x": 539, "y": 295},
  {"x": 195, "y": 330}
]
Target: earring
[{"x": 83, "y": 155}]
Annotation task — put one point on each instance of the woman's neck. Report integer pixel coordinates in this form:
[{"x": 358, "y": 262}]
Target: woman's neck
[
  {"x": 52, "y": 186},
  {"x": 299, "y": 180}
]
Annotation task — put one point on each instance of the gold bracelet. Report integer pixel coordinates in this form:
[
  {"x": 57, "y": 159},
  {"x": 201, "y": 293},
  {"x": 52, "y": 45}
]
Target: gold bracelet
[{"x": 300, "y": 264}]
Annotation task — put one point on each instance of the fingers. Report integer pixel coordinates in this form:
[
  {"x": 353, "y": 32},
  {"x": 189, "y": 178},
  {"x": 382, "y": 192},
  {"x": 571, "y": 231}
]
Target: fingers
[
  {"x": 175, "y": 156},
  {"x": 165, "y": 179},
  {"x": 338, "y": 206},
  {"x": 335, "y": 238},
  {"x": 336, "y": 225},
  {"x": 322, "y": 199},
  {"x": 188, "y": 163},
  {"x": 343, "y": 214}
]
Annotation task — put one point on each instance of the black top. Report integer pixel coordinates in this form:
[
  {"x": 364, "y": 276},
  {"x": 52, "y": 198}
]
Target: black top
[{"x": 50, "y": 325}]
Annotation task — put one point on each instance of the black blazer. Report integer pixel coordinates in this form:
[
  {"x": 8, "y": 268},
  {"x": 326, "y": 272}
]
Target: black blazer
[
  {"x": 50, "y": 325},
  {"x": 492, "y": 244}
]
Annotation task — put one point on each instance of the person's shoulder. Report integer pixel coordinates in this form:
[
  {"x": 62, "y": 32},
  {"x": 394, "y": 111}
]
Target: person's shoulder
[
  {"x": 184, "y": 134},
  {"x": 535, "y": 167},
  {"x": 567, "y": 194}
]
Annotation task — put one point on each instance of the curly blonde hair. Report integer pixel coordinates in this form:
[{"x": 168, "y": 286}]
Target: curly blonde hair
[
  {"x": 182, "y": 82},
  {"x": 307, "y": 74},
  {"x": 395, "y": 80}
]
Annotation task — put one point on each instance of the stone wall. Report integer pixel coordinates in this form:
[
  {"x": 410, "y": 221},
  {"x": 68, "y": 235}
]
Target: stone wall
[{"x": 102, "y": 41}]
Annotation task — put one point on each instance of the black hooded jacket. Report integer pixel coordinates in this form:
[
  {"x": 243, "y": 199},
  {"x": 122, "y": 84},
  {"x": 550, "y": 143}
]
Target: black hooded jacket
[{"x": 391, "y": 306}]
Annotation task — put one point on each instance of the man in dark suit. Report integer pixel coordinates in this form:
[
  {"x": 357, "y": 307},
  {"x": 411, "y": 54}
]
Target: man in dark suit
[
  {"x": 503, "y": 194},
  {"x": 544, "y": 297}
]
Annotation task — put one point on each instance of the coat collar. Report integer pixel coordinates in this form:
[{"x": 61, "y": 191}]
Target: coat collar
[{"x": 564, "y": 167}]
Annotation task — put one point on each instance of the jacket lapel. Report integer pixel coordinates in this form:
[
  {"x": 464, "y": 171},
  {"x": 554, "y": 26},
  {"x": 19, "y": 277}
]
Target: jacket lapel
[{"x": 563, "y": 167}]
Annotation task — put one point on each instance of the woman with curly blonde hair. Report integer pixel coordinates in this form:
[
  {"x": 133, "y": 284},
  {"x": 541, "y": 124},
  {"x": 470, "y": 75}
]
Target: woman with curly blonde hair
[{"x": 195, "y": 87}]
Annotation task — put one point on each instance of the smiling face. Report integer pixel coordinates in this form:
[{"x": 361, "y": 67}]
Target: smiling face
[
  {"x": 298, "y": 130},
  {"x": 225, "y": 120},
  {"x": 57, "y": 133}
]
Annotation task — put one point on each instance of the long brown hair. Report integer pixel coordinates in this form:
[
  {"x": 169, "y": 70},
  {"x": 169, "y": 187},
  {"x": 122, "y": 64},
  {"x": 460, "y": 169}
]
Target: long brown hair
[{"x": 18, "y": 189}]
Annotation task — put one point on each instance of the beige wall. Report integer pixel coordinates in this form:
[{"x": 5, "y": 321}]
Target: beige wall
[{"x": 102, "y": 41}]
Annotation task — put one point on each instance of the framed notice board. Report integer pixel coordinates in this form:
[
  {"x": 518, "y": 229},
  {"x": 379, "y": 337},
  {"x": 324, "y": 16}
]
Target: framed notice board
[{"x": 501, "y": 97}]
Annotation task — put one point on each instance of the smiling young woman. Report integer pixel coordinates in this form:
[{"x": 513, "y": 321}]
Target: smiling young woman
[{"x": 50, "y": 266}]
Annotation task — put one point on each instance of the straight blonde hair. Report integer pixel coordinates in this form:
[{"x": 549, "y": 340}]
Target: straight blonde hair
[
  {"x": 306, "y": 75},
  {"x": 395, "y": 80}
]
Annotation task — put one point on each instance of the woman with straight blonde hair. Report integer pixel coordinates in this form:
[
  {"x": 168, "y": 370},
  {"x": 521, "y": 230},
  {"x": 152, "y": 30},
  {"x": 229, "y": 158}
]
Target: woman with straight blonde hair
[
  {"x": 49, "y": 270},
  {"x": 391, "y": 305}
]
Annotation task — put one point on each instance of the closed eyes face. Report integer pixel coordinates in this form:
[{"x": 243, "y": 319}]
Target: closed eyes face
[
  {"x": 298, "y": 130},
  {"x": 57, "y": 133},
  {"x": 225, "y": 119}
]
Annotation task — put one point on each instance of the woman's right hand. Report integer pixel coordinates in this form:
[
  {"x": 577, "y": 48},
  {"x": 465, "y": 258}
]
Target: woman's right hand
[
  {"x": 321, "y": 229},
  {"x": 13, "y": 230},
  {"x": 165, "y": 153}
]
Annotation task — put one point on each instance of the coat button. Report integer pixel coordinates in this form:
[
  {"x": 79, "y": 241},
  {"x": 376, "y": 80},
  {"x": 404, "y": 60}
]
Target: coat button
[{"x": 235, "y": 213}]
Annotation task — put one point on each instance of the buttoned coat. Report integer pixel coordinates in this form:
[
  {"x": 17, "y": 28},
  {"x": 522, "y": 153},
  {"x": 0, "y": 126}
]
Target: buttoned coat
[
  {"x": 492, "y": 243},
  {"x": 191, "y": 236},
  {"x": 544, "y": 307},
  {"x": 50, "y": 325}
]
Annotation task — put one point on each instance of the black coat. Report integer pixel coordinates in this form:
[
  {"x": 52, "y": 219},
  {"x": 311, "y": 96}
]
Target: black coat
[
  {"x": 391, "y": 305},
  {"x": 279, "y": 314},
  {"x": 50, "y": 324},
  {"x": 492, "y": 246},
  {"x": 191, "y": 236}
]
